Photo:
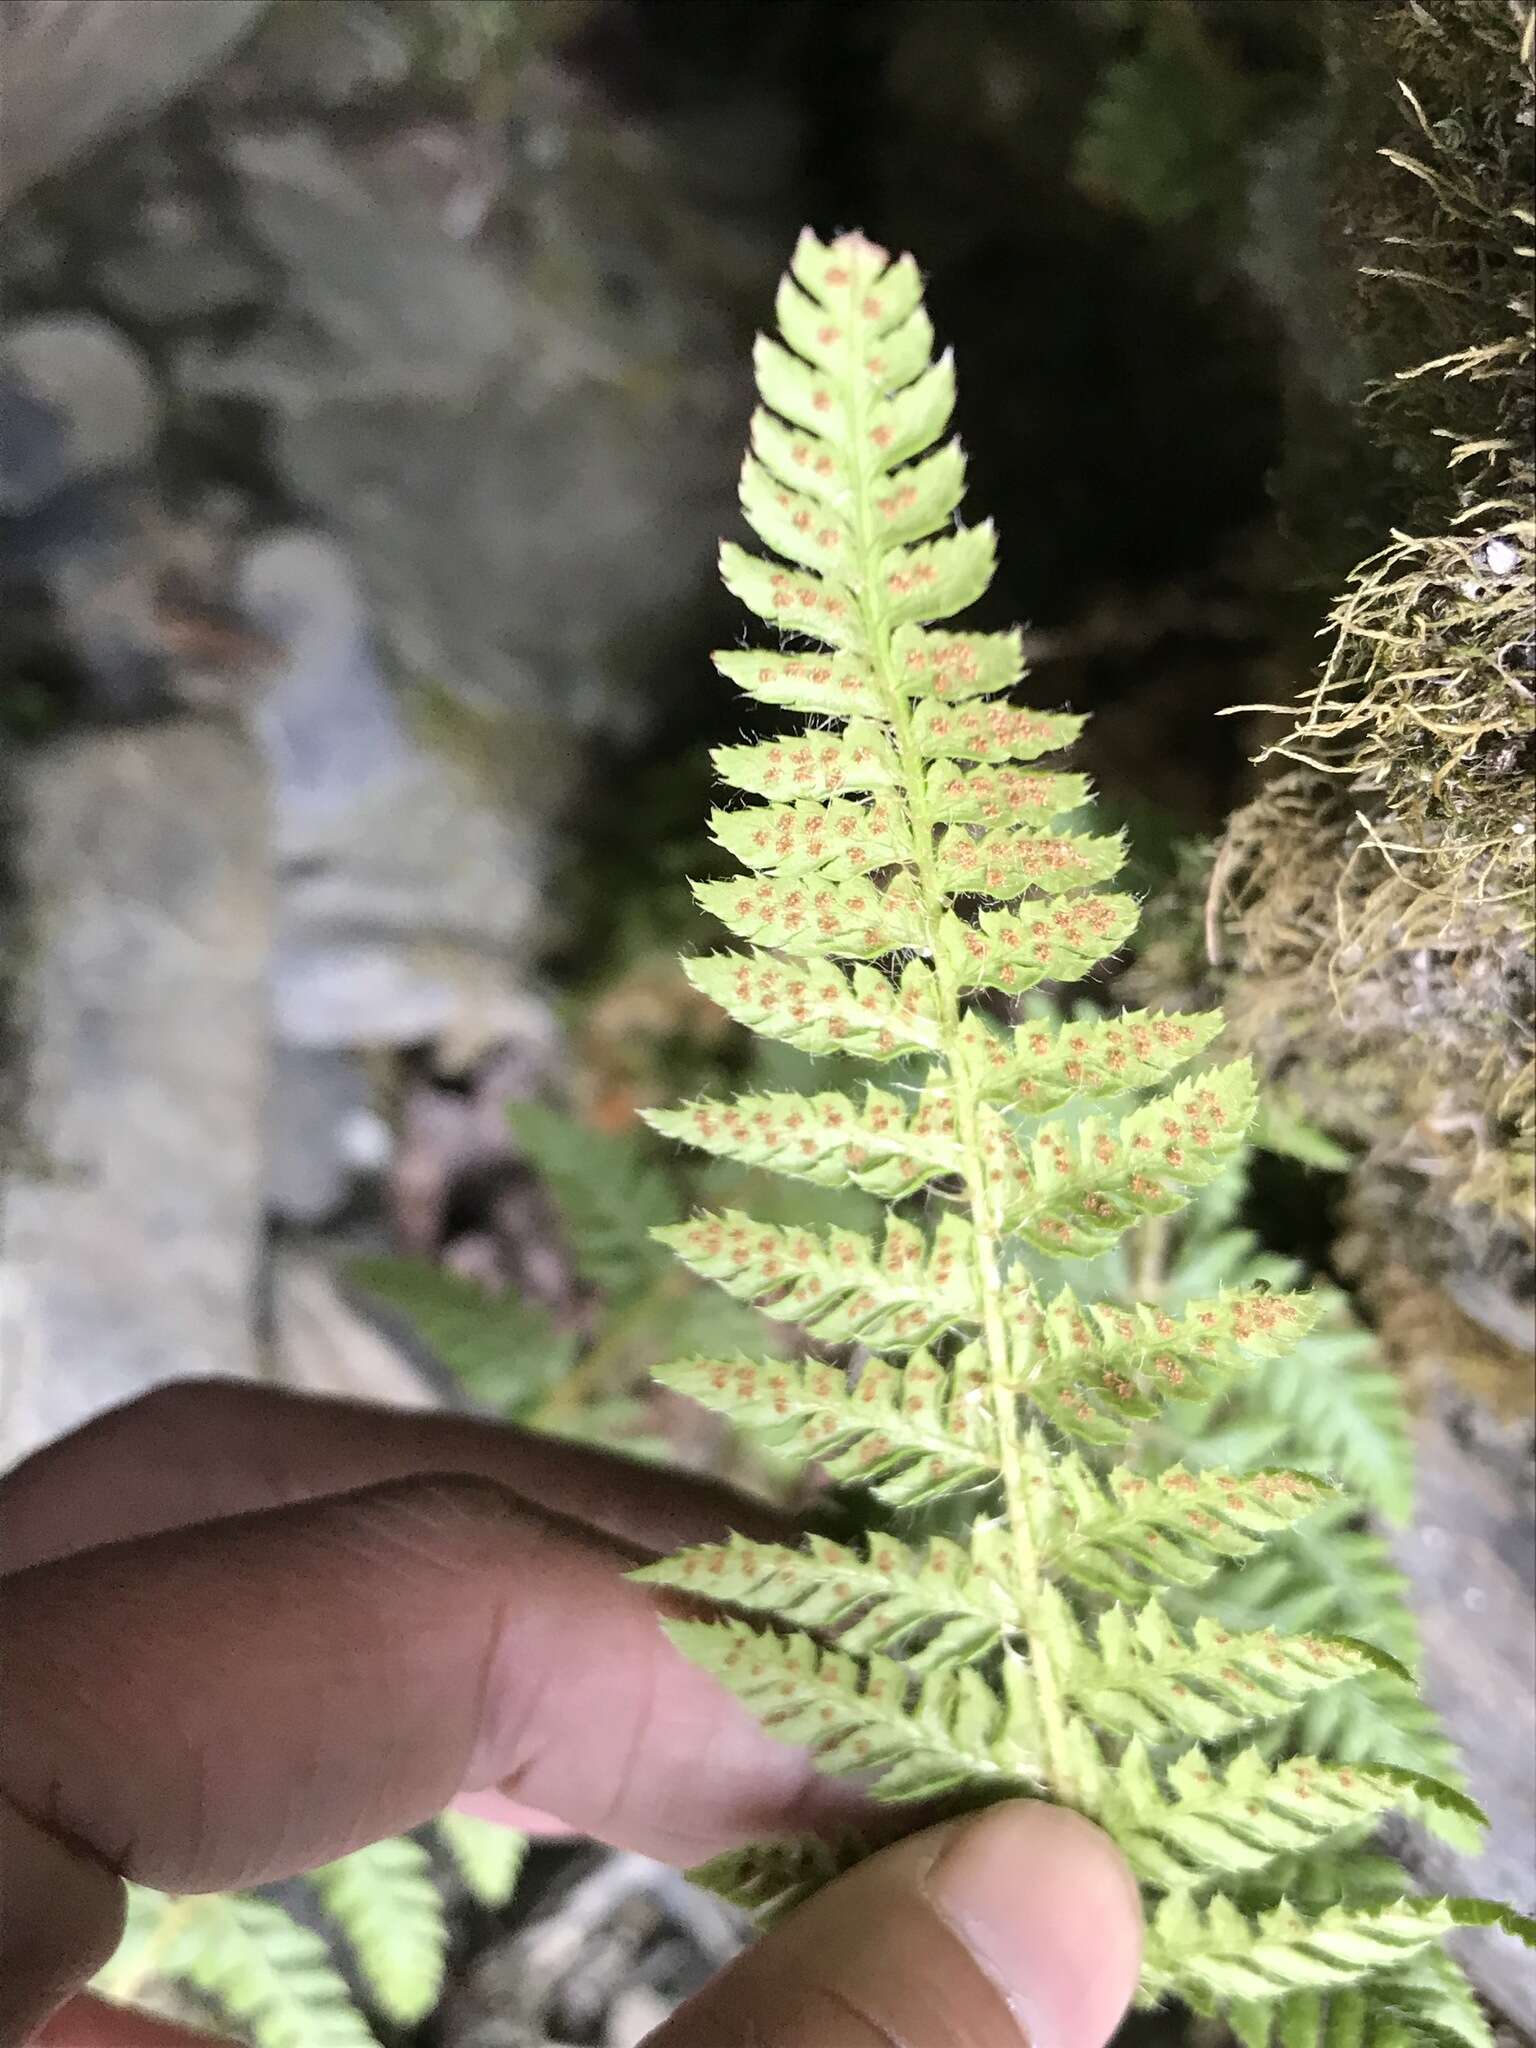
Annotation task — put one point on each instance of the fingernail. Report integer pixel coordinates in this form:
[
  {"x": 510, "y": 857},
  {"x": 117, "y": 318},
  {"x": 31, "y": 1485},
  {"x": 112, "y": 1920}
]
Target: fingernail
[{"x": 1047, "y": 1906}]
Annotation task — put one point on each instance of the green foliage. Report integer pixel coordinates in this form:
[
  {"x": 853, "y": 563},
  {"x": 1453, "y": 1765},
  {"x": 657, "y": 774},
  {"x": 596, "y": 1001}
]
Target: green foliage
[
  {"x": 489, "y": 1858},
  {"x": 1024, "y": 1617},
  {"x": 384, "y": 1899},
  {"x": 507, "y": 1353},
  {"x": 259, "y": 1970},
  {"x": 1373, "y": 904},
  {"x": 1165, "y": 132},
  {"x": 277, "y": 1981},
  {"x": 610, "y": 1197}
]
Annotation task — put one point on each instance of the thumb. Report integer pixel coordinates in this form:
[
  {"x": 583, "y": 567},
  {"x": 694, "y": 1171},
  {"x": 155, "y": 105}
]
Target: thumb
[{"x": 1020, "y": 1925}]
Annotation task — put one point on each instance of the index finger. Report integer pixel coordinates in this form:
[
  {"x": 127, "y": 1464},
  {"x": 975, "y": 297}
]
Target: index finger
[
  {"x": 215, "y": 1706},
  {"x": 194, "y": 1450}
]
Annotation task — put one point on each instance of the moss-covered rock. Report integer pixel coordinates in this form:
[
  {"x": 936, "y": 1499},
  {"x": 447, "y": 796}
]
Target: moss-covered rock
[{"x": 1370, "y": 915}]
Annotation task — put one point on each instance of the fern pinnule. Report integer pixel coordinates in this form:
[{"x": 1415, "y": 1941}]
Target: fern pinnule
[{"x": 909, "y": 870}]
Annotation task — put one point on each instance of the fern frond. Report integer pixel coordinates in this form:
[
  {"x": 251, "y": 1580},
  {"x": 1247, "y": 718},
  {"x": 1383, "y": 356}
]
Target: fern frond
[
  {"x": 1351, "y": 1411},
  {"x": 1168, "y": 1528},
  {"x": 881, "y": 1143},
  {"x": 942, "y": 1604},
  {"x": 772, "y": 1878},
  {"x": 488, "y": 1858},
  {"x": 383, "y": 1900},
  {"x": 611, "y": 1197},
  {"x": 912, "y": 1735},
  {"x": 909, "y": 1433},
  {"x": 907, "y": 864},
  {"x": 1085, "y": 1186},
  {"x": 1214, "y": 1954},
  {"x": 1038, "y": 1067},
  {"x": 839, "y": 1283},
  {"x": 262, "y": 1971},
  {"x": 1197, "y": 1819},
  {"x": 1428, "y": 2000},
  {"x": 814, "y": 1005},
  {"x": 1096, "y": 1369},
  {"x": 1147, "y": 1677}
]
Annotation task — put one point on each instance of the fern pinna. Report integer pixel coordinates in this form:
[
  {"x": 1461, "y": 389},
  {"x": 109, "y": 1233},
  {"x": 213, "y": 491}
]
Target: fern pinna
[{"x": 905, "y": 873}]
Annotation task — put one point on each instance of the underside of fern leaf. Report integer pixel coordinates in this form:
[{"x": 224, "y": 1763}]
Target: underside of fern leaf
[{"x": 910, "y": 870}]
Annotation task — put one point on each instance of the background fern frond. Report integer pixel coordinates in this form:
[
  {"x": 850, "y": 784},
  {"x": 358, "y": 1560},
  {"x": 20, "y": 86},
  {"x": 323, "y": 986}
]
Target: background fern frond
[
  {"x": 488, "y": 1858},
  {"x": 507, "y": 1353},
  {"x": 387, "y": 1907},
  {"x": 610, "y": 1194},
  {"x": 256, "y": 1968}
]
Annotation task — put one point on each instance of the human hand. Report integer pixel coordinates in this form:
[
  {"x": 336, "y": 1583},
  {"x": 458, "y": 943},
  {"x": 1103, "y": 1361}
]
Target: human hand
[{"x": 261, "y": 1630}]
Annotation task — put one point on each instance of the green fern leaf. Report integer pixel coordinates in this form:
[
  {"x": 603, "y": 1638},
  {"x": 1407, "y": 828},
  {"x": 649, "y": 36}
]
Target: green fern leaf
[
  {"x": 488, "y": 1858},
  {"x": 1212, "y": 1954},
  {"x": 906, "y": 863},
  {"x": 816, "y": 1006},
  {"x": 1428, "y": 1999},
  {"x": 1147, "y": 1677},
  {"x": 1097, "y": 1369},
  {"x": 384, "y": 1901},
  {"x": 1352, "y": 1415},
  {"x": 910, "y": 1434},
  {"x": 611, "y": 1198},
  {"x": 943, "y": 1604},
  {"x": 772, "y": 1878},
  {"x": 507, "y": 1353},
  {"x": 1196, "y": 1820},
  {"x": 261, "y": 1971},
  {"x": 1170, "y": 1528},
  {"x": 1039, "y": 1067},
  {"x": 838, "y": 1282},
  {"x": 913, "y": 1736},
  {"x": 881, "y": 1144}
]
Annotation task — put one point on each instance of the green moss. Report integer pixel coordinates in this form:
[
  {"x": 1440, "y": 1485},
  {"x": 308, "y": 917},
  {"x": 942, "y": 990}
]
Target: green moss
[{"x": 1370, "y": 913}]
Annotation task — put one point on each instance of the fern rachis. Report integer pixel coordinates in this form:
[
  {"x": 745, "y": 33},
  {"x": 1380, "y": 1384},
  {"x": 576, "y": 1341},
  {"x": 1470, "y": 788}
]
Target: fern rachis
[{"x": 903, "y": 862}]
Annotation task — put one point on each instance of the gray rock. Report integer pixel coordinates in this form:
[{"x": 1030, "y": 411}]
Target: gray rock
[
  {"x": 78, "y": 71},
  {"x": 166, "y": 281},
  {"x": 387, "y": 302},
  {"x": 95, "y": 383},
  {"x": 331, "y": 732},
  {"x": 322, "y": 1132},
  {"x": 128, "y": 1245},
  {"x": 407, "y": 902},
  {"x": 34, "y": 449},
  {"x": 529, "y": 468},
  {"x": 1471, "y": 1558},
  {"x": 308, "y": 56}
]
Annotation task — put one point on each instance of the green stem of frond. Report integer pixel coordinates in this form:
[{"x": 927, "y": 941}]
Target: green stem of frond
[{"x": 983, "y": 1198}]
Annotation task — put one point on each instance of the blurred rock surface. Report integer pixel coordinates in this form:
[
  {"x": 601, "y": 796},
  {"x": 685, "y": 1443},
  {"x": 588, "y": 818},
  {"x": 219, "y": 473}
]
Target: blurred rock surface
[
  {"x": 129, "y": 1236},
  {"x": 79, "y": 71},
  {"x": 1471, "y": 1559}
]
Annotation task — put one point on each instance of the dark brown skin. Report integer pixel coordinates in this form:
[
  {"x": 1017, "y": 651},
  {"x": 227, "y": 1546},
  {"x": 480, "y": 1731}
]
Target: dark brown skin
[{"x": 245, "y": 1632}]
